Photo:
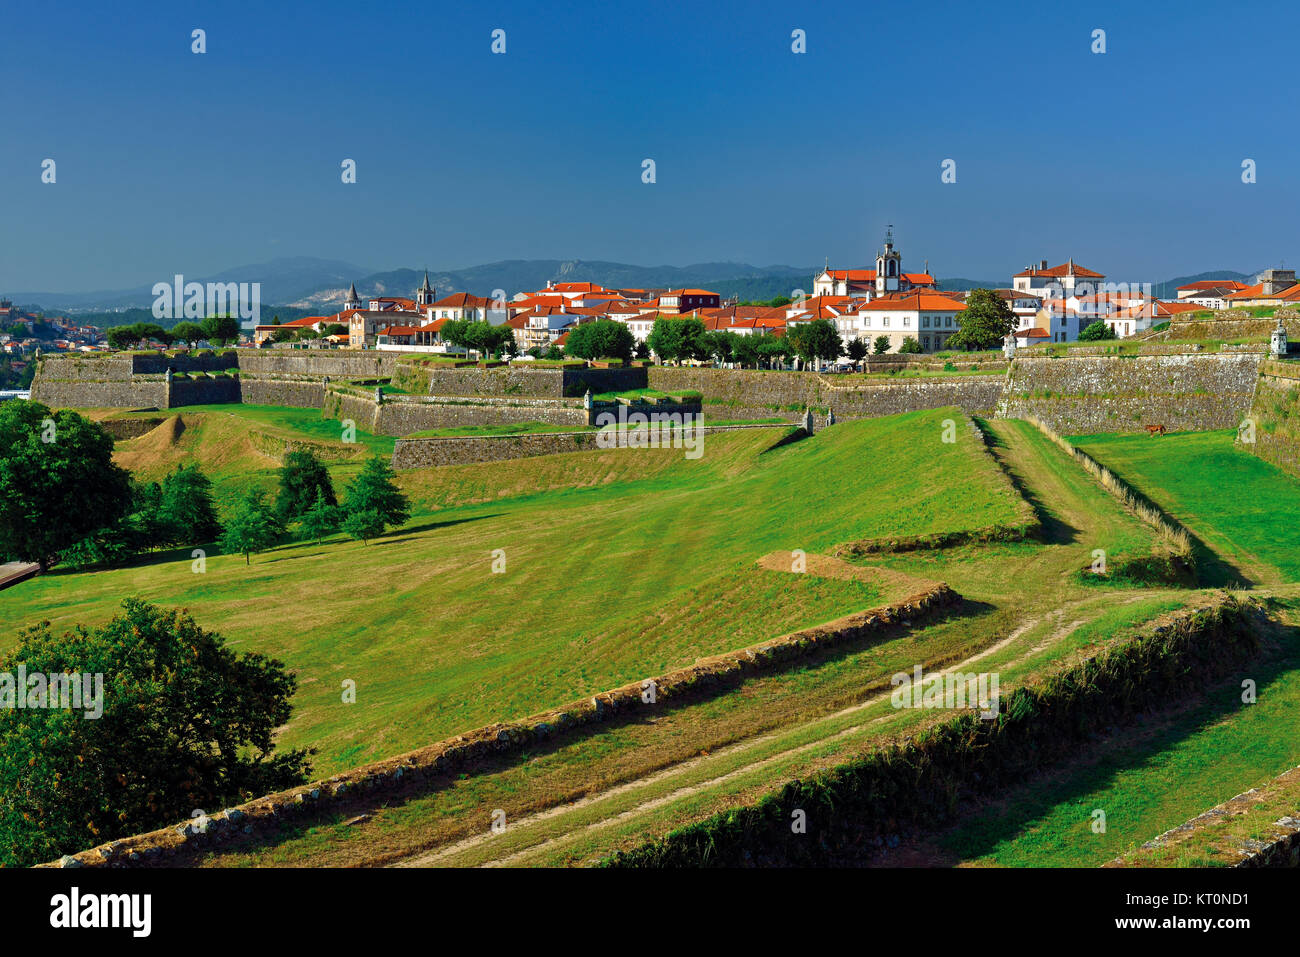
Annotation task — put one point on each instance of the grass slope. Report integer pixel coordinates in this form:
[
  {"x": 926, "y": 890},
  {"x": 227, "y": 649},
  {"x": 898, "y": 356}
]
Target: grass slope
[
  {"x": 1239, "y": 505},
  {"x": 603, "y": 584}
]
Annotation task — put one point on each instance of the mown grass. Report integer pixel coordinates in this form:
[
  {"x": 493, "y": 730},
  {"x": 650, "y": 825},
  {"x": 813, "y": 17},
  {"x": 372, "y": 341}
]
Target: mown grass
[
  {"x": 603, "y": 585},
  {"x": 1239, "y": 505},
  {"x": 1148, "y": 780}
]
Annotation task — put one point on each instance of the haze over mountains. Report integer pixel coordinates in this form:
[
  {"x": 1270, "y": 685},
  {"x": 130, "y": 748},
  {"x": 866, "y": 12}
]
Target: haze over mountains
[{"x": 310, "y": 283}]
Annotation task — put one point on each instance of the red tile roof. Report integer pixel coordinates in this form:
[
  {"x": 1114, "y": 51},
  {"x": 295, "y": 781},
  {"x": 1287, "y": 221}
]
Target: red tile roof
[{"x": 1056, "y": 272}]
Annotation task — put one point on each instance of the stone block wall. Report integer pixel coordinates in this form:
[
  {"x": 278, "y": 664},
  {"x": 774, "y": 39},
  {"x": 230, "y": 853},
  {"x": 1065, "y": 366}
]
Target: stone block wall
[
  {"x": 1275, "y": 416},
  {"x": 1079, "y": 394},
  {"x": 296, "y": 392},
  {"x": 522, "y": 381}
]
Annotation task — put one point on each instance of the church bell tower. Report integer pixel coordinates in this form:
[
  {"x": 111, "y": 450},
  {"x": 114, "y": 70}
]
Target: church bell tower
[{"x": 889, "y": 265}]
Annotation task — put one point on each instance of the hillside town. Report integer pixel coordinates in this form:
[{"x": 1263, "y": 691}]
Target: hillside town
[
  {"x": 884, "y": 307},
  {"x": 884, "y": 304}
]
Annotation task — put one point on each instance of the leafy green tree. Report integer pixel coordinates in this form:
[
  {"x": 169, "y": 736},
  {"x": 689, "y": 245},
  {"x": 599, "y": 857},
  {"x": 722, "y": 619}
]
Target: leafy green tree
[
  {"x": 1096, "y": 332},
  {"x": 374, "y": 491},
  {"x": 984, "y": 323},
  {"x": 856, "y": 349},
  {"x": 120, "y": 337},
  {"x": 674, "y": 339},
  {"x": 58, "y": 482},
  {"x": 186, "y": 723},
  {"x": 186, "y": 507},
  {"x": 774, "y": 348},
  {"x": 602, "y": 339},
  {"x": 909, "y": 346},
  {"x": 335, "y": 329},
  {"x": 321, "y": 519},
  {"x": 252, "y": 527},
  {"x": 719, "y": 344},
  {"x": 815, "y": 340},
  {"x": 190, "y": 333},
  {"x": 303, "y": 479},
  {"x": 281, "y": 334},
  {"x": 363, "y": 525},
  {"x": 221, "y": 330},
  {"x": 881, "y": 345}
]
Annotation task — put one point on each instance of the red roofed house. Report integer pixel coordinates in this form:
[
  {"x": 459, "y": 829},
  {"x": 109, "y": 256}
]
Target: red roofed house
[
  {"x": 928, "y": 317},
  {"x": 674, "y": 302}
]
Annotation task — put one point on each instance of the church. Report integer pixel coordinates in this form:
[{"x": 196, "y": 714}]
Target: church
[{"x": 867, "y": 284}]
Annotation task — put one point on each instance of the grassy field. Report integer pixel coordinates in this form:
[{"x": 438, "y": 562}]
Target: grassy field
[
  {"x": 1237, "y": 504},
  {"x": 577, "y": 801},
  {"x": 1147, "y": 780},
  {"x": 604, "y": 584}
]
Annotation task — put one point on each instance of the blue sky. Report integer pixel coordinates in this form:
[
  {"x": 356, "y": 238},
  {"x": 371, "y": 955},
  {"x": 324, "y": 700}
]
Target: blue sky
[{"x": 167, "y": 161}]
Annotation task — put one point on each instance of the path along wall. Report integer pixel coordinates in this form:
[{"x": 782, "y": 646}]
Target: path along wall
[{"x": 1182, "y": 390}]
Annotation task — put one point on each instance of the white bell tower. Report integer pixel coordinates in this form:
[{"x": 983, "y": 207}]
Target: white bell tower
[{"x": 889, "y": 265}]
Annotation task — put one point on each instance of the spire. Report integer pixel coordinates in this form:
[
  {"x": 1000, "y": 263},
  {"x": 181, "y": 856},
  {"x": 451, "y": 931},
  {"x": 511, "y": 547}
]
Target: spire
[
  {"x": 352, "y": 293},
  {"x": 426, "y": 287}
]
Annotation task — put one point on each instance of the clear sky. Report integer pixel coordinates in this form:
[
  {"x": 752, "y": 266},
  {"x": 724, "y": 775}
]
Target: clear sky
[{"x": 168, "y": 161}]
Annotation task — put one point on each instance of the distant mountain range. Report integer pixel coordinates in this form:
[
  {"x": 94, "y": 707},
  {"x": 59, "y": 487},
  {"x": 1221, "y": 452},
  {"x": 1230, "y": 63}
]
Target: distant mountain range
[{"x": 302, "y": 285}]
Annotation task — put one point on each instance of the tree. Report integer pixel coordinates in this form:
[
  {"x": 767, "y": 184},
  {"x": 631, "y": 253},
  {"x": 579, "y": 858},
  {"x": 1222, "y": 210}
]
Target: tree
[
  {"x": 335, "y": 329},
  {"x": 221, "y": 330},
  {"x": 184, "y": 722},
  {"x": 120, "y": 337},
  {"x": 774, "y": 348},
  {"x": 815, "y": 340},
  {"x": 984, "y": 323},
  {"x": 364, "y": 525},
  {"x": 303, "y": 479},
  {"x": 252, "y": 527},
  {"x": 856, "y": 349},
  {"x": 186, "y": 508},
  {"x": 281, "y": 334},
  {"x": 58, "y": 482},
  {"x": 602, "y": 339},
  {"x": 321, "y": 519},
  {"x": 910, "y": 346},
  {"x": 673, "y": 338},
  {"x": 719, "y": 344},
  {"x": 190, "y": 333},
  {"x": 1096, "y": 332},
  {"x": 374, "y": 491},
  {"x": 881, "y": 345}
]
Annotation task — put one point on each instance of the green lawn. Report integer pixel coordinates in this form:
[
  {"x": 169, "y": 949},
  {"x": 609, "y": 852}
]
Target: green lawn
[
  {"x": 1153, "y": 778},
  {"x": 1240, "y": 506},
  {"x": 304, "y": 423},
  {"x": 603, "y": 584}
]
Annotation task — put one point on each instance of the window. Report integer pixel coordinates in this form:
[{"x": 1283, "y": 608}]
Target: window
[
  {"x": 948, "y": 321},
  {"x": 906, "y": 322},
  {"x": 925, "y": 342},
  {"x": 925, "y": 322},
  {"x": 885, "y": 322}
]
